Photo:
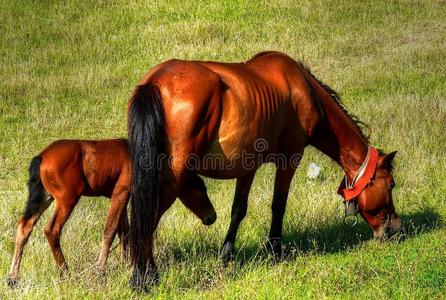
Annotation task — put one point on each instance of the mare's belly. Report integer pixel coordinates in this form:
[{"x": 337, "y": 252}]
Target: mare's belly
[{"x": 237, "y": 151}]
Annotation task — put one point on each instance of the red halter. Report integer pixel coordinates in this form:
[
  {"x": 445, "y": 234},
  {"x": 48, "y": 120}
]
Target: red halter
[{"x": 362, "y": 178}]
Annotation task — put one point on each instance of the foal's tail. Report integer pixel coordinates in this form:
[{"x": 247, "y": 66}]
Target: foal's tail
[
  {"x": 147, "y": 141},
  {"x": 36, "y": 191}
]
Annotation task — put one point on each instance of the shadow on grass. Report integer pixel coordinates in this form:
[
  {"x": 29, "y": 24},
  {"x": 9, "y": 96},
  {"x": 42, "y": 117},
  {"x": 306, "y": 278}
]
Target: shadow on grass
[
  {"x": 339, "y": 237},
  {"x": 330, "y": 238}
]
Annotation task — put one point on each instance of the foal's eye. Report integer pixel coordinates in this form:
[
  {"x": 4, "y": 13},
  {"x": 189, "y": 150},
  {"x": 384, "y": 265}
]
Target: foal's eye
[{"x": 392, "y": 185}]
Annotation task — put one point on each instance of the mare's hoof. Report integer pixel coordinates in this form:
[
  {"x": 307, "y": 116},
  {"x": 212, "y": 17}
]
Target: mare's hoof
[
  {"x": 140, "y": 281},
  {"x": 209, "y": 220},
  {"x": 12, "y": 282},
  {"x": 227, "y": 253},
  {"x": 274, "y": 246}
]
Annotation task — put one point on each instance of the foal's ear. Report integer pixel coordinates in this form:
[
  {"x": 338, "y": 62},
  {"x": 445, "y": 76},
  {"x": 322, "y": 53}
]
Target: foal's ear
[{"x": 387, "y": 160}]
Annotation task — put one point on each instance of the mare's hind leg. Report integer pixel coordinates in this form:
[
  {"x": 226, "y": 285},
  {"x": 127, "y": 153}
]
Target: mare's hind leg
[
  {"x": 281, "y": 188},
  {"x": 24, "y": 229},
  {"x": 194, "y": 196},
  {"x": 117, "y": 205},
  {"x": 62, "y": 211},
  {"x": 238, "y": 212}
]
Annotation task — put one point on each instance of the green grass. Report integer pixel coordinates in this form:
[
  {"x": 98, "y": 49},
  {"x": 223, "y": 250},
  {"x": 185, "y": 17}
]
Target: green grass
[{"x": 67, "y": 71}]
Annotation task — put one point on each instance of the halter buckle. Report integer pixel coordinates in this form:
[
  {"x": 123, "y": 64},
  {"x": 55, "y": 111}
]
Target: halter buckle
[{"x": 351, "y": 212}]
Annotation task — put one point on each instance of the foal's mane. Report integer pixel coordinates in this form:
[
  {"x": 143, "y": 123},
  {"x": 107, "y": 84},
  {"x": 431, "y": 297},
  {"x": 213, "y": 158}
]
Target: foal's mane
[{"x": 360, "y": 125}]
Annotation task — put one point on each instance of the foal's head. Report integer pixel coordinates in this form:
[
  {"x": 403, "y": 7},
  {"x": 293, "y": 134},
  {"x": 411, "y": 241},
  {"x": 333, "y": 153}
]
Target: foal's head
[{"x": 375, "y": 203}]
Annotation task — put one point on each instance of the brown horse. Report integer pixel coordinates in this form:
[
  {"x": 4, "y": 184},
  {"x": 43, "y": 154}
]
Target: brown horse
[
  {"x": 69, "y": 169},
  {"x": 223, "y": 120}
]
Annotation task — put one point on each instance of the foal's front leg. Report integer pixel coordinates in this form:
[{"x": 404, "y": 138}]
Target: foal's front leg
[
  {"x": 118, "y": 204},
  {"x": 281, "y": 189},
  {"x": 123, "y": 233},
  {"x": 238, "y": 212}
]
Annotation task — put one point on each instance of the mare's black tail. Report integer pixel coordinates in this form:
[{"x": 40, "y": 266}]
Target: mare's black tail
[{"x": 147, "y": 138}]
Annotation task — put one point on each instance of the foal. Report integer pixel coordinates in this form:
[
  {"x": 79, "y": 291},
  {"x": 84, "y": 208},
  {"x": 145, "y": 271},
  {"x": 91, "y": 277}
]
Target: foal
[{"x": 69, "y": 169}]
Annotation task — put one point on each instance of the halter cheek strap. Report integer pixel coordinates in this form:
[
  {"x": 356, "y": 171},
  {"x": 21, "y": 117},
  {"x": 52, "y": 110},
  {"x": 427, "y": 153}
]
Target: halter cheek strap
[{"x": 362, "y": 178}]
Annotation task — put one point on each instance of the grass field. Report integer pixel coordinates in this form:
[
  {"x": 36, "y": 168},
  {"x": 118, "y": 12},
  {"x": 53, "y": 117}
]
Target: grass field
[{"x": 67, "y": 71}]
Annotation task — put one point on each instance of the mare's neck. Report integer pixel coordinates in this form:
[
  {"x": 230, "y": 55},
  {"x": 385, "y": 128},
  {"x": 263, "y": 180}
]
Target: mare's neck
[{"x": 337, "y": 135}]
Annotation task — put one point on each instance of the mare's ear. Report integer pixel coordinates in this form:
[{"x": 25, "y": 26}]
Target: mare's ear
[{"x": 387, "y": 160}]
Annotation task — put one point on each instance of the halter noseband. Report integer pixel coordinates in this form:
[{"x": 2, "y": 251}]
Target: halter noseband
[{"x": 351, "y": 190}]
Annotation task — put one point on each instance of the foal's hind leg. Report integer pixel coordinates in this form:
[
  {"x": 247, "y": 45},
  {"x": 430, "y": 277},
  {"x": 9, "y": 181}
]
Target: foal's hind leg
[
  {"x": 62, "y": 211},
  {"x": 281, "y": 188},
  {"x": 238, "y": 212},
  {"x": 24, "y": 229},
  {"x": 117, "y": 205}
]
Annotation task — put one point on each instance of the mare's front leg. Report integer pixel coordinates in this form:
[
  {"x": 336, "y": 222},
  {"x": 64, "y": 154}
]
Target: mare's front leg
[
  {"x": 238, "y": 212},
  {"x": 281, "y": 189}
]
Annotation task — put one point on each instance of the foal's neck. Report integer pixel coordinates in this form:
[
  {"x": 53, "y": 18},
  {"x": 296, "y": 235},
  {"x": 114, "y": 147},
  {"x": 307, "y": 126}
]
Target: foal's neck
[{"x": 337, "y": 135}]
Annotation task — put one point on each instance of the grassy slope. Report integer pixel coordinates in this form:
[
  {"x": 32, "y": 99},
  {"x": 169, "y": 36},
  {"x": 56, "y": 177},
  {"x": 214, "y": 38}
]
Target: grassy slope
[{"x": 67, "y": 70}]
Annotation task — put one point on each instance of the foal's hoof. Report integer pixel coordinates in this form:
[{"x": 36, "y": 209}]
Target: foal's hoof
[
  {"x": 99, "y": 269},
  {"x": 227, "y": 253},
  {"x": 64, "y": 274},
  {"x": 274, "y": 246},
  {"x": 12, "y": 282},
  {"x": 99, "y": 265}
]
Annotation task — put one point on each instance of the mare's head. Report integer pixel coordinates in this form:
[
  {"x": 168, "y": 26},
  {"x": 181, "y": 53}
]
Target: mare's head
[
  {"x": 375, "y": 203},
  {"x": 374, "y": 193}
]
